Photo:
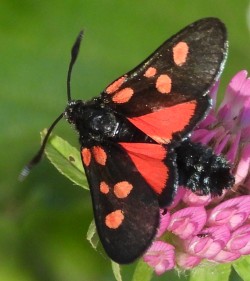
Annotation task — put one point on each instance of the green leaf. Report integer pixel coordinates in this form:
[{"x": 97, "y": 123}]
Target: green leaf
[
  {"x": 143, "y": 272},
  {"x": 210, "y": 272},
  {"x": 66, "y": 159},
  {"x": 242, "y": 266},
  {"x": 116, "y": 271},
  {"x": 92, "y": 236},
  {"x": 93, "y": 239}
]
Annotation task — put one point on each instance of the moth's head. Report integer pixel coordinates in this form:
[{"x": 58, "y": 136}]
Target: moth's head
[{"x": 73, "y": 111}]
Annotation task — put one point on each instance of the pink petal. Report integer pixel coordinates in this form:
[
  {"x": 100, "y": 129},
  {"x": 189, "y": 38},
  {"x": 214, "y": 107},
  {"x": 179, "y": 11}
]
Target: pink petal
[
  {"x": 234, "y": 98},
  {"x": 245, "y": 134},
  {"x": 180, "y": 193},
  {"x": 225, "y": 256},
  {"x": 209, "y": 245},
  {"x": 235, "y": 86},
  {"x": 187, "y": 261},
  {"x": 232, "y": 212},
  {"x": 213, "y": 92},
  {"x": 225, "y": 113},
  {"x": 188, "y": 221},
  {"x": 164, "y": 222},
  {"x": 234, "y": 148},
  {"x": 160, "y": 256},
  {"x": 221, "y": 144},
  {"x": 243, "y": 165},
  {"x": 247, "y": 183},
  {"x": 244, "y": 118},
  {"x": 240, "y": 241},
  {"x": 203, "y": 136},
  {"x": 209, "y": 120},
  {"x": 192, "y": 199},
  {"x": 245, "y": 89}
]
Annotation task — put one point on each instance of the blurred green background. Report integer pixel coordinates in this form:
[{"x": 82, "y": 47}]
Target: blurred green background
[{"x": 44, "y": 220}]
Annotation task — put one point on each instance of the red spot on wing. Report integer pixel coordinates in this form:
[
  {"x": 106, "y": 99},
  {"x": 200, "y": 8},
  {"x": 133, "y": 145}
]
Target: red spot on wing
[
  {"x": 150, "y": 72},
  {"x": 162, "y": 124},
  {"x": 164, "y": 84},
  {"x": 180, "y": 52},
  {"x": 122, "y": 189},
  {"x": 104, "y": 188},
  {"x": 148, "y": 159},
  {"x": 99, "y": 155},
  {"x": 114, "y": 219},
  {"x": 86, "y": 156},
  {"x": 115, "y": 85},
  {"x": 123, "y": 95}
]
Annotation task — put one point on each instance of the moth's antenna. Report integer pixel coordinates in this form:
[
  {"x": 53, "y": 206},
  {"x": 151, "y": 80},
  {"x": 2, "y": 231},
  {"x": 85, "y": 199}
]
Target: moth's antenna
[
  {"x": 38, "y": 156},
  {"x": 36, "y": 159},
  {"x": 74, "y": 53}
]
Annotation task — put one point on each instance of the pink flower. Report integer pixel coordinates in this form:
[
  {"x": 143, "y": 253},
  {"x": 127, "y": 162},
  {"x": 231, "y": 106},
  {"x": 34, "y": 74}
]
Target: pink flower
[
  {"x": 187, "y": 221},
  {"x": 164, "y": 222},
  {"x": 226, "y": 256},
  {"x": 209, "y": 245},
  {"x": 233, "y": 212},
  {"x": 240, "y": 241},
  {"x": 179, "y": 195},
  {"x": 160, "y": 256},
  {"x": 192, "y": 199},
  {"x": 205, "y": 227},
  {"x": 228, "y": 130},
  {"x": 187, "y": 261}
]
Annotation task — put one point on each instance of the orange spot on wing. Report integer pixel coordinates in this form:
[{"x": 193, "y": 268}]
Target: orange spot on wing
[
  {"x": 86, "y": 156},
  {"x": 123, "y": 96},
  {"x": 180, "y": 52},
  {"x": 99, "y": 155},
  {"x": 148, "y": 159},
  {"x": 122, "y": 189},
  {"x": 114, "y": 219},
  {"x": 115, "y": 86},
  {"x": 104, "y": 188},
  {"x": 164, "y": 84},
  {"x": 162, "y": 124},
  {"x": 150, "y": 72}
]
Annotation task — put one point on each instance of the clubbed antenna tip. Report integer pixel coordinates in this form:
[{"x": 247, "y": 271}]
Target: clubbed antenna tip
[
  {"x": 74, "y": 53},
  {"x": 76, "y": 47}
]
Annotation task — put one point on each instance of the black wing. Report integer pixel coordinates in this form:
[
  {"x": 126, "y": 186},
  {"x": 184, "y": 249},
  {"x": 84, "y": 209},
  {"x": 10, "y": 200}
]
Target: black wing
[
  {"x": 173, "y": 81},
  {"x": 126, "y": 207}
]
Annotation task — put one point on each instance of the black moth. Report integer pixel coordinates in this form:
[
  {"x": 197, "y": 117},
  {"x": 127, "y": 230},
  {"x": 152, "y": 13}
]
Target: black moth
[{"x": 134, "y": 137}]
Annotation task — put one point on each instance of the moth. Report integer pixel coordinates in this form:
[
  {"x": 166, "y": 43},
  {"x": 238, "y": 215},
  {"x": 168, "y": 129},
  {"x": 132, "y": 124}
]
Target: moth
[{"x": 134, "y": 137}]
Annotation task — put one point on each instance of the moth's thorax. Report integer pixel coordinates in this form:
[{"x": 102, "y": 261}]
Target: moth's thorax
[{"x": 96, "y": 123}]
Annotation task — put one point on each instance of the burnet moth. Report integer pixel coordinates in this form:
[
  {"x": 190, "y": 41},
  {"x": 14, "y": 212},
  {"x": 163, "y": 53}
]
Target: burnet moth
[{"x": 134, "y": 137}]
